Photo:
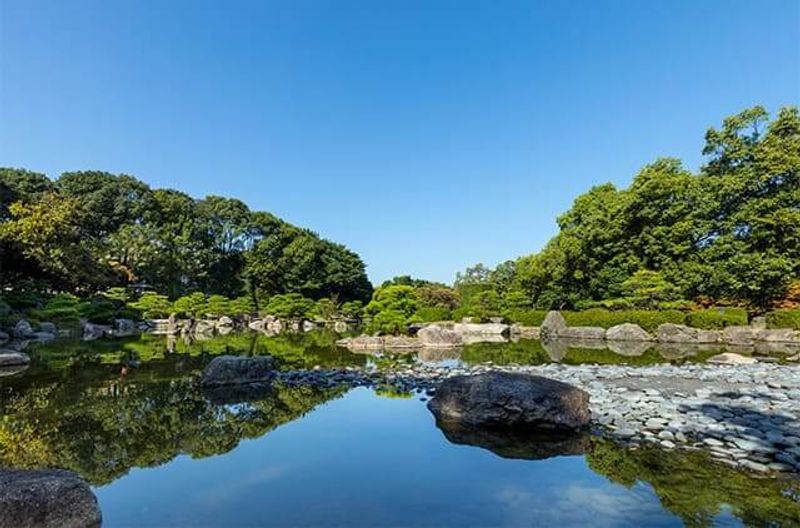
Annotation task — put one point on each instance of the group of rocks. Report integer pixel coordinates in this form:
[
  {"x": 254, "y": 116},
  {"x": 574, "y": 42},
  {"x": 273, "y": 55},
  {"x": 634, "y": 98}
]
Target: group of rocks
[
  {"x": 440, "y": 336},
  {"x": 555, "y": 326},
  {"x": 747, "y": 416}
]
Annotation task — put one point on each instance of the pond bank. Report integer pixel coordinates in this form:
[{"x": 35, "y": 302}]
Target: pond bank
[{"x": 746, "y": 416}]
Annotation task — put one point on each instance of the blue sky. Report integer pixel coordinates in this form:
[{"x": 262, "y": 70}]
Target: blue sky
[{"x": 425, "y": 135}]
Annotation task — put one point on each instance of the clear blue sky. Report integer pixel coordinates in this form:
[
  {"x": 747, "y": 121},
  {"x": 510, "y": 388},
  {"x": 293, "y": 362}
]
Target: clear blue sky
[{"x": 425, "y": 135}]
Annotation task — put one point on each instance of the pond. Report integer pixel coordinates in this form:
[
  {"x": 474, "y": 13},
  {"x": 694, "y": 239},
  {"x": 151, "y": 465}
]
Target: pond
[{"x": 128, "y": 417}]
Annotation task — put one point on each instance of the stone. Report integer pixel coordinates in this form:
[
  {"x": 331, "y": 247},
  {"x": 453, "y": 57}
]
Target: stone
[
  {"x": 204, "y": 326},
  {"x": 553, "y": 324},
  {"x": 525, "y": 332},
  {"x": 93, "y": 331},
  {"x": 583, "y": 332},
  {"x": 731, "y": 358},
  {"x": 12, "y": 358},
  {"x": 4, "y": 336},
  {"x": 627, "y": 332},
  {"x": 362, "y": 342},
  {"x": 740, "y": 335},
  {"x": 225, "y": 322},
  {"x": 308, "y": 326},
  {"x": 172, "y": 324},
  {"x": 42, "y": 336},
  {"x": 49, "y": 328},
  {"x": 236, "y": 370},
  {"x": 22, "y": 329},
  {"x": 399, "y": 342},
  {"x": 482, "y": 329},
  {"x": 629, "y": 348},
  {"x": 511, "y": 400},
  {"x": 46, "y": 498},
  {"x": 777, "y": 335},
  {"x": 124, "y": 327},
  {"x": 436, "y": 336}
]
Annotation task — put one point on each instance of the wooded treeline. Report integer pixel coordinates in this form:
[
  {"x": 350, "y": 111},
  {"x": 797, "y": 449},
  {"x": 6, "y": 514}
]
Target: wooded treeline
[{"x": 87, "y": 231}]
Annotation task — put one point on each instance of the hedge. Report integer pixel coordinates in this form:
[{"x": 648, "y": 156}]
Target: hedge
[
  {"x": 784, "y": 319},
  {"x": 647, "y": 319},
  {"x": 717, "y": 318},
  {"x": 525, "y": 317}
]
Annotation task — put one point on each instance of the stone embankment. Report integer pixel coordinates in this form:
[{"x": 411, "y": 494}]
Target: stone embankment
[
  {"x": 747, "y": 415},
  {"x": 555, "y": 327}
]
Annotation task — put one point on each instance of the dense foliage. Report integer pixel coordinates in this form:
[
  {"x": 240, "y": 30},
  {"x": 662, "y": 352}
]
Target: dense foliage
[
  {"x": 729, "y": 233},
  {"x": 88, "y": 231}
]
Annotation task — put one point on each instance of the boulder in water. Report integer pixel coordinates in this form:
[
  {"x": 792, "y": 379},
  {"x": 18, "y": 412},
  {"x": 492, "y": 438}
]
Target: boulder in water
[{"x": 236, "y": 370}]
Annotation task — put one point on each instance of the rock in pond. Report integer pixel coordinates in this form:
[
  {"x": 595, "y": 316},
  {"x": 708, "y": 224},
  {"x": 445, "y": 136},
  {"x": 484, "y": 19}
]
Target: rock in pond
[
  {"x": 237, "y": 370},
  {"x": 677, "y": 333},
  {"x": 12, "y": 358},
  {"x": 552, "y": 325},
  {"x": 436, "y": 336},
  {"x": 48, "y": 327},
  {"x": 46, "y": 498},
  {"x": 4, "y": 336},
  {"x": 506, "y": 400},
  {"x": 627, "y": 332},
  {"x": 515, "y": 444},
  {"x": 731, "y": 358},
  {"x": 22, "y": 329},
  {"x": 583, "y": 332}
]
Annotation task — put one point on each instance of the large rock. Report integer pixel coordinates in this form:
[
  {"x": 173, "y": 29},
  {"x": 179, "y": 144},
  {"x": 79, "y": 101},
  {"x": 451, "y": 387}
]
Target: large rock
[
  {"x": 204, "y": 326},
  {"x": 676, "y": 333},
  {"x": 237, "y": 370},
  {"x": 362, "y": 342},
  {"x": 511, "y": 400},
  {"x": 525, "y": 332},
  {"x": 583, "y": 332},
  {"x": 552, "y": 325},
  {"x": 629, "y": 348},
  {"x": 93, "y": 331},
  {"x": 397, "y": 342},
  {"x": 516, "y": 444},
  {"x": 22, "y": 329},
  {"x": 482, "y": 329},
  {"x": 731, "y": 358},
  {"x": 225, "y": 322},
  {"x": 436, "y": 336},
  {"x": 627, "y": 332},
  {"x": 739, "y": 335},
  {"x": 46, "y": 498},
  {"x": 4, "y": 336},
  {"x": 778, "y": 335},
  {"x": 49, "y": 328},
  {"x": 12, "y": 358}
]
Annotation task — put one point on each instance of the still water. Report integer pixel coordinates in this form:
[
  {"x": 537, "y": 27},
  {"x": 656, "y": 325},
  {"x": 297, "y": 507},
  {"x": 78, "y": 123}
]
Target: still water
[{"x": 127, "y": 416}]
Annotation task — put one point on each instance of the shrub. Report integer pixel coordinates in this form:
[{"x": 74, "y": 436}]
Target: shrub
[
  {"x": 217, "y": 306},
  {"x": 352, "y": 310},
  {"x": 647, "y": 319},
  {"x": 241, "y": 306},
  {"x": 193, "y": 305},
  {"x": 389, "y": 322},
  {"x": 62, "y": 307},
  {"x": 784, "y": 319},
  {"x": 717, "y": 318},
  {"x": 151, "y": 305},
  {"x": 525, "y": 317},
  {"x": 431, "y": 314},
  {"x": 289, "y": 306},
  {"x": 101, "y": 309}
]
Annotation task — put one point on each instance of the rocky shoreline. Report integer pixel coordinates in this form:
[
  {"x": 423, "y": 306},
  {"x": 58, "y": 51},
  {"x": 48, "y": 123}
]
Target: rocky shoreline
[{"x": 745, "y": 416}]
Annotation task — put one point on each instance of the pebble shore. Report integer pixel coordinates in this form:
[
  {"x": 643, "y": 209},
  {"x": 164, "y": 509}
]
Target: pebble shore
[{"x": 746, "y": 416}]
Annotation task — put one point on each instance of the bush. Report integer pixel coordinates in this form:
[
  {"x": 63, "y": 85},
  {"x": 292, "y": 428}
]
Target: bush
[
  {"x": 63, "y": 307},
  {"x": 352, "y": 310},
  {"x": 151, "y": 305},
  {"x": 193, "y": 305},
  {"x": 289, "y": 306},
  {"x": 647, "y": 319},
  {"x": 717, "y": 318},
  {"x": 431, "y": 314},
  {"x": 389, "y": 322},
  {"x": 784, "y": 319},
  {"x": 525, "y": 317}
]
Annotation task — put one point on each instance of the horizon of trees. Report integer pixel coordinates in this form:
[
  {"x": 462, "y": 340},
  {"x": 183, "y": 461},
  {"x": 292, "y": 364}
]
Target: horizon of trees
[{"x": 89, "y": 231}]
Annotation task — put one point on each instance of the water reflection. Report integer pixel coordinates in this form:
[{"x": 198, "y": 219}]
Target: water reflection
[{"x": 360, "y": 459}]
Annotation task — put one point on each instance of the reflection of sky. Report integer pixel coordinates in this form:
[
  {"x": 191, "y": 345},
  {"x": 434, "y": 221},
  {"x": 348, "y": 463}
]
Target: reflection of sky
[{"x": 369, "y": 461}]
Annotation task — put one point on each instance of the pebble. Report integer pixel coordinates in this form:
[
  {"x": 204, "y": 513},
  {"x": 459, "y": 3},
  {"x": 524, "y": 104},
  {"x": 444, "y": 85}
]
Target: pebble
[{"x": 728, "y": 411}]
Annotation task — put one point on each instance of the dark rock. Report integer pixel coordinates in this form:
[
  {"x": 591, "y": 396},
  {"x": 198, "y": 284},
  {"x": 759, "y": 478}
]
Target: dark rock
[
  {"x": 47, "y": 498},
  {"x": 511, "y": 400},
  {"x": 230, "y": 394},
  {"x": 12, "y": 358},
  {"x": 48, "y": 327},
  {"x": 22, "y": 329},
  {"x": 236, "y": 370},
  {"x": 515, "y": 444}
]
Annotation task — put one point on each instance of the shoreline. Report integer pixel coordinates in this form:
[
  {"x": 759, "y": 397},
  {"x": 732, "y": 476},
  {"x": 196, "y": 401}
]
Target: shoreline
[{"x": 745, "y": 416}]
